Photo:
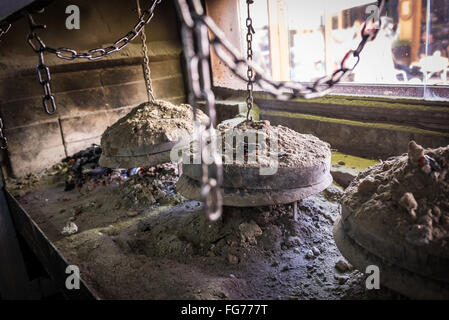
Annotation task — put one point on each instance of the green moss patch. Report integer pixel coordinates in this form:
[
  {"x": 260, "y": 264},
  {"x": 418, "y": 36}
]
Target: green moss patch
[
  {"x": 352, "y": 123},
  {"x": 352, "y": 162}
]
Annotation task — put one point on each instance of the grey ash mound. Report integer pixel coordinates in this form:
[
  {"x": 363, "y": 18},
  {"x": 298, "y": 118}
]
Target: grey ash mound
[
  {"x": 293, "y": 149},
  {"x": 405, "y": 199}
]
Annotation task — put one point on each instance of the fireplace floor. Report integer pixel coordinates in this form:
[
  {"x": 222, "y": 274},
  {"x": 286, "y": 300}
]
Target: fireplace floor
[{"x": 170, "y": 251}]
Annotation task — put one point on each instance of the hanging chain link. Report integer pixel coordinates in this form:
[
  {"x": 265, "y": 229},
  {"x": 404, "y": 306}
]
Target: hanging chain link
[
  {"x": 212, "y": 173},
  {"x": 3, "y": 140},
  {"x": 99, "y": 53},
  {"x": 4, "y": 30},
  {"x": 195, "y": 38},
  {"x": 43, "y": 72},
  {"x": 146, "y": 60},
  {"x": 249, "y": 56},
  {"x": 282, "y": 90}
]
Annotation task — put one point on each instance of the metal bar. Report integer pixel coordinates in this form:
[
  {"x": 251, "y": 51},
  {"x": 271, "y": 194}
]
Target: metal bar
[
  {"x": 14, "y": 283},
  {"x": 10, "y": 10}
]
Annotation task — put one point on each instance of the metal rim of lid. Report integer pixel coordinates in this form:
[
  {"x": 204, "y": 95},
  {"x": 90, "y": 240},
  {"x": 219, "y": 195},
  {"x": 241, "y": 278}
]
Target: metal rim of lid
[
  {"x": 392, "y": 276},
  {"x": 250, "y": 177},
  {"x": 413, "y": 258},
  {"x": 147, "y": 160},
  {"x": 235, "y": 197}
]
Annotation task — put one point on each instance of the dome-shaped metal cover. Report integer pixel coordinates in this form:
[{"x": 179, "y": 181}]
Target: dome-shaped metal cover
[
  {"x": 145, "y": 136},
  {"x": 264, "y": 165},
  {"x": 395, "y": 216}
]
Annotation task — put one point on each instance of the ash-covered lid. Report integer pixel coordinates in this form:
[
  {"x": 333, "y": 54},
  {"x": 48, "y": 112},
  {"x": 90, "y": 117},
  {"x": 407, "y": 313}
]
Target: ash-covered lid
[
  {"x": 150, "y": 128},
  {"x": 402, "y": 205},
  {"x": 287, "y": 147},
  {"x": 258, "y": 156}
]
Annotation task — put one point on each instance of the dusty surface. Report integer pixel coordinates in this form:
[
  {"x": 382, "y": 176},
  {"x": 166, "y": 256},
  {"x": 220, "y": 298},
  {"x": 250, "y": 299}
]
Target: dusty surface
[
  {"x": 294, "y": 149},
  {"x": 168, "y": 250},
  {"x": 397, "y": 199}
]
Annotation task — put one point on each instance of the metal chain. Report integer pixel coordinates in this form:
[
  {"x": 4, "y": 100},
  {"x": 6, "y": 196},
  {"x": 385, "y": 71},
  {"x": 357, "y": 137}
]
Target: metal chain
[
  {"x": 4, "y": 30},
  {"x": 146, "y": 60},
  {"x": 196, "y": 26},
  {"x": 195, "y": 38},
  {"x": 3, "y": 140},
  {"x": 43, "y": 72},
  {"x": 249, "y": 56},
  {"x": 99, "y": 53},
  {"x": 282, "y": 90}
]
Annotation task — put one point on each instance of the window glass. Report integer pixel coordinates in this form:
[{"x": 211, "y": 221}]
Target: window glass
[{"x": 412, "y": 46}]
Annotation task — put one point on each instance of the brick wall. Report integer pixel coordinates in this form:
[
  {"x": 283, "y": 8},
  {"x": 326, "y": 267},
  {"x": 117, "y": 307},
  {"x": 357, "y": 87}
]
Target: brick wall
[{"x": 90, "y": 96}]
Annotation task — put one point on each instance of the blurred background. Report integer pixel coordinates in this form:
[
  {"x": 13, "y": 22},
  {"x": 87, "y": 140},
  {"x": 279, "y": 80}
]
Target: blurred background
[{"x": 303, "y": 40}]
